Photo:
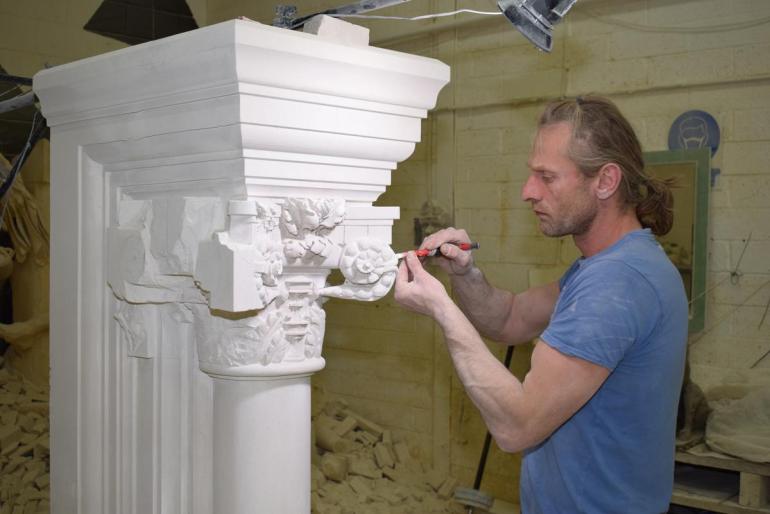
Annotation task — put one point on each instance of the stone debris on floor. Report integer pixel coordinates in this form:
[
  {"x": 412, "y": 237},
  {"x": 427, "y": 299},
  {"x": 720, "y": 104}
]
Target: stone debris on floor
[
  {"x": 360, "y": 468},
  {"x": 24, "y": 446}
]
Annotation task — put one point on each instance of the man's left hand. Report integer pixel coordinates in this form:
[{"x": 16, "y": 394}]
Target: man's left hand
[{"x": 418, "y": 290}]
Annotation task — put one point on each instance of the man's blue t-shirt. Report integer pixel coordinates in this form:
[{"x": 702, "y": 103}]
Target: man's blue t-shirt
[{"x": 625, "y": 309}]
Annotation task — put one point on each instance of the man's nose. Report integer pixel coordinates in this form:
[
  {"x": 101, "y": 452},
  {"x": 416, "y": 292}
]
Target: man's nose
[{"x": 529, "y": 190}]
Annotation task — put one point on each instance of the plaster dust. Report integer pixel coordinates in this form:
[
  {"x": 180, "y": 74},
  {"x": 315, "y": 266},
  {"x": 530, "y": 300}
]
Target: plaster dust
[
  {"x": 24, "y": 445},
  {"x": 361, "y": 468}
]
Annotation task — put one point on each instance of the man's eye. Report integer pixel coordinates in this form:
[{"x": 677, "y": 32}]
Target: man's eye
[{"x": 547, "y": 179}]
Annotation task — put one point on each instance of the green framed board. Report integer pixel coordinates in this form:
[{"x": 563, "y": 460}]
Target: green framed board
[{"x": 686, "y": 244}]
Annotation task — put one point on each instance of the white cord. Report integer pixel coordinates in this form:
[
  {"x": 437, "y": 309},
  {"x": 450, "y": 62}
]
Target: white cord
[
  {"x": 416, "y": 18},
  {"x": 599, "y": 17}
]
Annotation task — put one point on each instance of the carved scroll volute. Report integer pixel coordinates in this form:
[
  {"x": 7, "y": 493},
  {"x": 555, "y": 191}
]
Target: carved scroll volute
[
  {"x": 369, "y": 267},
  {"x": 368, "y": 264}
]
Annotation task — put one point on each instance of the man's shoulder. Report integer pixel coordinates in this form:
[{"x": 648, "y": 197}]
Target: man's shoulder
[{"x": 637, "y": 255}]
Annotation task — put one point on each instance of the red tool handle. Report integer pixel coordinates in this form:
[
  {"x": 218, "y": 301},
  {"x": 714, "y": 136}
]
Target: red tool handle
[{"x": 436, "y": 251}]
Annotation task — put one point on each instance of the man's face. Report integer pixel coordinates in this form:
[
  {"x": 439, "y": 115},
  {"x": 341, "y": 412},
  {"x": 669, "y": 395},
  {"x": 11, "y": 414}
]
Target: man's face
[{"x": 561, "y": 197}]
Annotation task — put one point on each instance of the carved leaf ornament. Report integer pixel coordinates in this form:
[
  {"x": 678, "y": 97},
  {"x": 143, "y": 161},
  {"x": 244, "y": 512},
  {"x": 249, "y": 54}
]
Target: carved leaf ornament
[{"x": 270, "y": 264}]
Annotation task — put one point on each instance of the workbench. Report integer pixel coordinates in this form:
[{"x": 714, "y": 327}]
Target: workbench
[{"x": 725, "y": 485}]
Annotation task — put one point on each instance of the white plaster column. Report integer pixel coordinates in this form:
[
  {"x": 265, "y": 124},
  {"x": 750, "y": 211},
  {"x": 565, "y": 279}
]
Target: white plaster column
[
  {"x": 203, "y": 187},
  {"x": 262, "y": 427}
]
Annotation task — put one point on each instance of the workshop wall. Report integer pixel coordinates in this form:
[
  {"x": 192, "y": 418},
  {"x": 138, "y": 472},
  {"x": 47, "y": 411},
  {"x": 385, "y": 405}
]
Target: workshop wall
[
  {"x": 43, "y": 33},
  {"x": 39, "y": 33},
  {"x": 391, "y": 364}
]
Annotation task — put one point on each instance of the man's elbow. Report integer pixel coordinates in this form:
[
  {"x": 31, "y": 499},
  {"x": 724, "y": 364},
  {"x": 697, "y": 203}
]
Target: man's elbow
[{"x": 518, "y": 440}]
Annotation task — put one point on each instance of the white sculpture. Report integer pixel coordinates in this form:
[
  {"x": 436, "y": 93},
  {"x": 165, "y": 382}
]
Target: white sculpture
[{"x": 195, "y": 219}]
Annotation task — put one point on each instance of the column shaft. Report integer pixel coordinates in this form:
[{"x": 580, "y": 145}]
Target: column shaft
[{"x": 262, "y": 446}]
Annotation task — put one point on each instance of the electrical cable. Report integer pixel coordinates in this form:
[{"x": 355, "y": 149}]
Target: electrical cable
[
  {"x": 17, "y": 102},
  {"x": 724, "y": 27},
  {"x": 417, "y": 18},
  {"x": 8, "y": 91},
  {"x": 24, "y": 81}
]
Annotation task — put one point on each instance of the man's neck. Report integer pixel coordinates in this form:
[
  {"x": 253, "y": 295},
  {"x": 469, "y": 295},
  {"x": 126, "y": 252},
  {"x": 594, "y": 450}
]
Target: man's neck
[{"x": 607, "y": 229}]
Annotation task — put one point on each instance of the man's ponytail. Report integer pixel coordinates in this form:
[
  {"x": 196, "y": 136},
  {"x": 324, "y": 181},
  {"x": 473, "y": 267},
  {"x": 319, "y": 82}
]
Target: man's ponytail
[{"x": 656, "y": 208}]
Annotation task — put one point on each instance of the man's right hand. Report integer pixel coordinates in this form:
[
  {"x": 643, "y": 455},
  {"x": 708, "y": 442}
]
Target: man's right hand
[{"x": 454, "y": 261}]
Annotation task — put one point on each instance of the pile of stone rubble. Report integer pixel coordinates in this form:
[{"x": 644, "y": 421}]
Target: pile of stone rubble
[
  {"x": 24, "y": 447},
  {"x": 359, "y": 468}
]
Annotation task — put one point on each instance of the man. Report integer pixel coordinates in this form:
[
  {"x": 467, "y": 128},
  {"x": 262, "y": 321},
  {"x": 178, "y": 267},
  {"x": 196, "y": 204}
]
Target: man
[{"x": 596, "y": 414}]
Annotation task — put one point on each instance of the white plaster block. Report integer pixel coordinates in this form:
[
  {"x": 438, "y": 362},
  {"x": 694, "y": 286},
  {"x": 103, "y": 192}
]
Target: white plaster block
[
  {"x": 382, "y": 233},
  {"x": 340, "y": 31}
]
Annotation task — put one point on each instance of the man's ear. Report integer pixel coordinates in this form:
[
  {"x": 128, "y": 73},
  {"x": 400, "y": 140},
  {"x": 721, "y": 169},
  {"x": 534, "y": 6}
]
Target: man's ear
[{"x": 610, "y": 176}]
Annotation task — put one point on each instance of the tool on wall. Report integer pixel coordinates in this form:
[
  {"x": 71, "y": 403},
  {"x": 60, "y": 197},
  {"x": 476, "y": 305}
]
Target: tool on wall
[
  {"x": 474, "y": 498},
  {"x": 533, "y": 18}
]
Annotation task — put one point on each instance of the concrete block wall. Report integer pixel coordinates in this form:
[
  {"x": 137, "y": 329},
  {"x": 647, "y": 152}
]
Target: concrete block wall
[
  {"x": 392, "y": 365},
  {"x": 475, "y": 164}
]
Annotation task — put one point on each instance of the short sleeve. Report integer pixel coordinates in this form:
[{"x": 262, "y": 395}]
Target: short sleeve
[{"x": 602, "y": 310}]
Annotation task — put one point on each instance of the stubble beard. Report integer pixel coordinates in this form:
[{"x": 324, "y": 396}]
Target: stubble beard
[{"x": 576, "y": 221}]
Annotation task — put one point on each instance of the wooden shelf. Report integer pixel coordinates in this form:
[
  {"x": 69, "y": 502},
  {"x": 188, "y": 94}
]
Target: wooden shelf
[
  {"x": 728, "y": 463},
  {"x": 729, "y": 486}
]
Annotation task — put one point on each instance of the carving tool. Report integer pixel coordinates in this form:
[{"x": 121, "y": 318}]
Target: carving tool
[{"x": 437, "y": 251}]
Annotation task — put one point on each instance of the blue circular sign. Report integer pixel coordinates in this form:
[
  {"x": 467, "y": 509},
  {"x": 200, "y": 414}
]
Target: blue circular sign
[{"x": 694, "y": 129}]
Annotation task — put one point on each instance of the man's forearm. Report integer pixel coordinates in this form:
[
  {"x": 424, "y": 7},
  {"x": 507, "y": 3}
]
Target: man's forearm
[
  {"x": 486, "y": 307},
  {"x": 495, "y": 391}
]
